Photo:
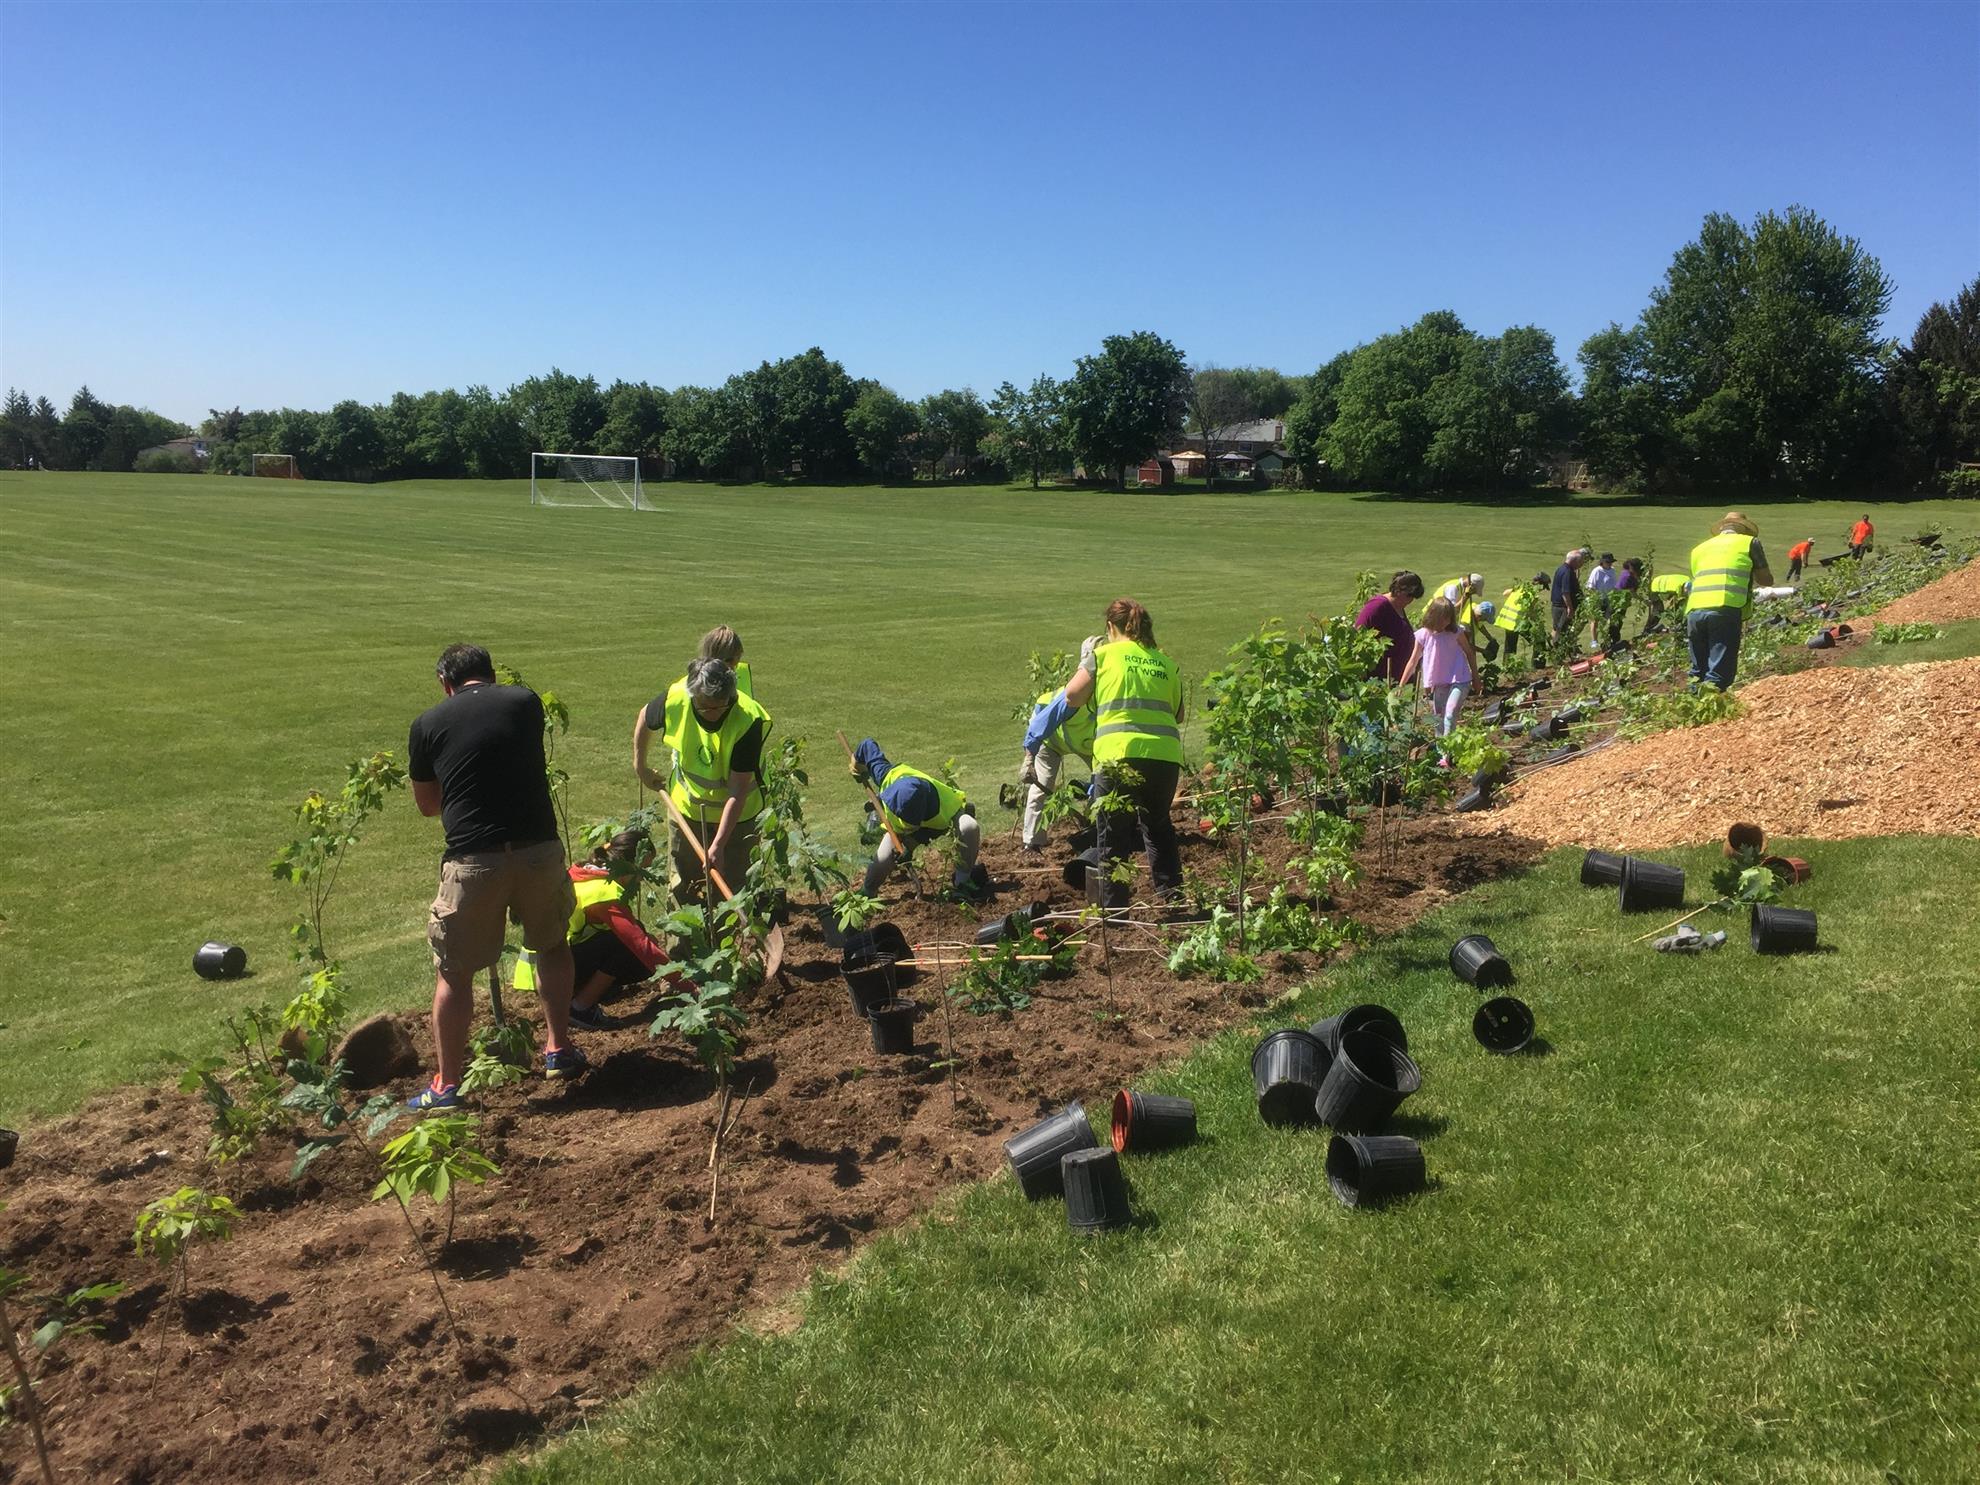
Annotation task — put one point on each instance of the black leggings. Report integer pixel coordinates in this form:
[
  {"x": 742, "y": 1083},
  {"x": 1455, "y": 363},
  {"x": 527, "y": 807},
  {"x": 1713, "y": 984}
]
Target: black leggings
[
  {"x": 603, "y": 951},
  {"x": 1150, "y": 783}
]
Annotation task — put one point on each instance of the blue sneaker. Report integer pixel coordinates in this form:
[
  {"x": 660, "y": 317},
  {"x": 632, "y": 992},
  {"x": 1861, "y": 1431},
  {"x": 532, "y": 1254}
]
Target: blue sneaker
[
  {"x": 588, "y": 1016},
  {"x": 435, "y": 1095},
  {"x": 567, "y": 1062}
]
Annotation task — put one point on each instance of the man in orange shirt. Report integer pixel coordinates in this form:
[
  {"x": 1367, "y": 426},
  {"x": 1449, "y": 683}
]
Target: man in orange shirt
[
  {"x": 1798, "y": 554},
  {"x": 1859, "y": 537}
]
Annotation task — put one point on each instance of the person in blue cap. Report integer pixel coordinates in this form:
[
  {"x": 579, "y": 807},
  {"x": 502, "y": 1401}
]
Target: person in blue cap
[{"x": 917, "y": 808}]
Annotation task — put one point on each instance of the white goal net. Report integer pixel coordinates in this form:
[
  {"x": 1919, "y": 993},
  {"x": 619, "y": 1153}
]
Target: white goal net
[
  {"x": 586, "y": 479},
  {"x": 276, "y": 467}
]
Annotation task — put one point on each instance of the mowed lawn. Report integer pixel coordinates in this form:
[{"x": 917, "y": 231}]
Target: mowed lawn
[
  {"x": 188, "y": 657},
  {"x": 1722, "y": 1229}
]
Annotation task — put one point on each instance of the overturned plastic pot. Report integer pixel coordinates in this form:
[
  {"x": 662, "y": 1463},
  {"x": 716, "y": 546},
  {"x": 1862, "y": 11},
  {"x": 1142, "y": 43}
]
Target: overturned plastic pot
[
  {"x": 1287, "y": 1069},
  {"x": 1602, "y": 869},
  {"x": 1471, "y": 801},
  {"x": 1074, "y": 871},
  {"x": 1011, "y": 925},
  {"x": 1783, "y": 930},
  {"x": 1788, "y": 869},
  {"x": 1376, "y": 1018},
  {"x": 1035, "y": 1153},
  {"x": 1476, "y": 960},
  {"x": 1151, "y": 1121},
  {"x": 1649, "y": 885},
  {"x": 893, "y": 1027},
  {"x": 1561, "y": 754},
  {"x": 1369, "y": 1079},
  {"x": 217, "y": 961},
  {"x": 870, "y": 961},
  {"x": 1503, "y": 1025},
  {"x": 10, "y": 1141},
  {"x": 1096, "y": 1191},
  {"x": 1366, "y": 1170}
]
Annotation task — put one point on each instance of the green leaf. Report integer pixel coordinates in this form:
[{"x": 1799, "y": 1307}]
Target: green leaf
[{"x": 310, "y": 1153}]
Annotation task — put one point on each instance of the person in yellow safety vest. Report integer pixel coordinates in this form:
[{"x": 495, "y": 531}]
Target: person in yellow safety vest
[
  {"x": 723, "y": 643},
  {"x": 1465, "y": 594},
  {"x": 917, "y": 808},
  {"x": 717, "y": 736},
  {"x": 1513, "y": 606},
  {"x": 1137, "y": 699},
  {"x": 1665, "y": 587},
  {"x": 1058, "y": 730},
  {"x": 1725, "y": 569},
  {"x": 609, "y": 946}
]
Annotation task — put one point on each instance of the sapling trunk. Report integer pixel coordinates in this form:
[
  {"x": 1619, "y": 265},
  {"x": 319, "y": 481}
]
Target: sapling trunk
[
  {"x": 949, "y": 1036},
  {"x": 25, "y": 1391}
]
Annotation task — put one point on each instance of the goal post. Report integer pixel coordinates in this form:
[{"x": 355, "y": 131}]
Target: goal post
[
  {"x": 586, "y": 479},
  {"x": 275, "y": 467}
]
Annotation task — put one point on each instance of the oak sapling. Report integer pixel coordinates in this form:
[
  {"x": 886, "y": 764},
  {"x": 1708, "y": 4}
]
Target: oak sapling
[
  {"x": 705, "y": 1015},
  {"x": 169, "y": 1228},
  {"x": 60, "y": 1317}
]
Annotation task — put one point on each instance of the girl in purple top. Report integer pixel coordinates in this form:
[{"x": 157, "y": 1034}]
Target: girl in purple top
[
  {"x": 1442, "y": 661},
  {"x": 1388, "y": 614}
]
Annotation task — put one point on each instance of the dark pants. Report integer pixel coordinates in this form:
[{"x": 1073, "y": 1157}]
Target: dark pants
[
  {"x": 1150, "y": 785},
  {"x": 1794, "y": 568},
  {"x": 1563, "y": 618},
  {"x": 603, "y": 951},
  {"x": 1859, "y": 549},
  {"x": 1488, "y": 645},
  {"x": 1512, "y": 642},
  {"x": 1714, "y": 637}
]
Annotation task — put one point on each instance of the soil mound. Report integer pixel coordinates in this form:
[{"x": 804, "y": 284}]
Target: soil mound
[
  {"x": 1829, "y": 753},
  {"x": 1941, "y": 601}
]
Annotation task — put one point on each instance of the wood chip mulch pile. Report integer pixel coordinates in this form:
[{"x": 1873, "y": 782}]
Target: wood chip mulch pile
[
  {"x": 1954, "y": 596},
  {"x": 1829, "y": 754}
]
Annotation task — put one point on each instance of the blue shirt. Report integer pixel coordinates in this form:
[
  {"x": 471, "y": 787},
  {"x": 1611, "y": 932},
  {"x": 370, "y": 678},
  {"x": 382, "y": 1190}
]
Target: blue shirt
[
  {"x": 1567, "y": 587},
  {"x": 1046, "y": 717},
  {"x": 911, "y": 799}
]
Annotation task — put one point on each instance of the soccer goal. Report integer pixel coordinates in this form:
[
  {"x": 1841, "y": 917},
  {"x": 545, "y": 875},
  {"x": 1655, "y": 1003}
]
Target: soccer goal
[
  {"x": 275, "y": 467},
  {"x": 586, "y": 479}
]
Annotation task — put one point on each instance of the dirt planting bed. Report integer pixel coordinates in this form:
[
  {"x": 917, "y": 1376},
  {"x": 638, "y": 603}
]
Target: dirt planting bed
[
  {"x": 311, "y": 1348},
  {"x": 1828, "y": 753}
]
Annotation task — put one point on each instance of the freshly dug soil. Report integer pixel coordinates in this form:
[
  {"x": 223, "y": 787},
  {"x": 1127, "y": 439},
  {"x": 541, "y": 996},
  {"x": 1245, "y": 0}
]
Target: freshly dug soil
[
  {"x": 1941, "y": 601},
  {"x": 1828, "y": 753},
  {"x": 312, "y": 1347}
]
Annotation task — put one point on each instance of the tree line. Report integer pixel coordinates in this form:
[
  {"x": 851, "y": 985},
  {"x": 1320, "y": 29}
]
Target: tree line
[{"x": 1756, "y": 362}]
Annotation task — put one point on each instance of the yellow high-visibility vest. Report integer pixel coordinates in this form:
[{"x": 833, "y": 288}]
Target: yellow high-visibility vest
[
  {"x": 1670, "y": 582},
  {"x": 1721, "y": 572},
  {"x": 1512, "y": 604},
  {"x": 950, "y": 802},
  {"x": 1075, "y": 734},
  {"x": 590, "y": 891},
  {"x": 700, "y": 782},
  {"x": 1465, "y": 600},
  {"x": 1137, "y": 704}
]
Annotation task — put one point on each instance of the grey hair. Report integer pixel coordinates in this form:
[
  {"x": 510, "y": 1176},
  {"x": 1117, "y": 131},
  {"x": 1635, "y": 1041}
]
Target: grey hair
[{"x": 710, "y": 680}]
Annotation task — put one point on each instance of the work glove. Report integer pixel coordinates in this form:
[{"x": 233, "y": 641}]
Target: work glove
[
  {"x": 1087, "y": 646},
  {"x": 1025, "y": 774}
]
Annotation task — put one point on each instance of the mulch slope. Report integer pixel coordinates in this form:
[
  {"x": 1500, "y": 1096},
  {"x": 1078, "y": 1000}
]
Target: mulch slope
[
  {"x": 1942, "y": 601},
  {"x": 311, "y": 1347},
  {"x": 1827, "y": 753}
]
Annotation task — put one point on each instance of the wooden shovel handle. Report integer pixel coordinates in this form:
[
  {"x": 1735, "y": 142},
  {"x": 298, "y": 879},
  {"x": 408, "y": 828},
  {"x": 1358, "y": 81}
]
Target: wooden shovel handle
[
  {"x": 878, "y": 813},
  {"x": 700, "y": 851}
]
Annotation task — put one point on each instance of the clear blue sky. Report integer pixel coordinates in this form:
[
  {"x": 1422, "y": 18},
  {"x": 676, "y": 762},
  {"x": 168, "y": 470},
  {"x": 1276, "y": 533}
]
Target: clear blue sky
[{"x": 291, "y": 204}]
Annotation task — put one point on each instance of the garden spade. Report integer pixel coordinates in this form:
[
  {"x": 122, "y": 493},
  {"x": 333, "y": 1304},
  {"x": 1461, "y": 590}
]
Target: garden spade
[{"x": 773, "y": 943}]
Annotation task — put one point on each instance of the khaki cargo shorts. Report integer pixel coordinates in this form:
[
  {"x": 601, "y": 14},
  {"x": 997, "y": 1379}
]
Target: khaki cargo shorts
[{"x": 481, "y": 893}]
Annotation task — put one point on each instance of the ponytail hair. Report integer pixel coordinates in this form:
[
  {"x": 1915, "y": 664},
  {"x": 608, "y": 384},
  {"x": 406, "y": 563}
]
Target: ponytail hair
[
  {"x": 1131, "y": 619},
  {"x": 622, "y": 850},
  {"x": 721, "y": 643}
]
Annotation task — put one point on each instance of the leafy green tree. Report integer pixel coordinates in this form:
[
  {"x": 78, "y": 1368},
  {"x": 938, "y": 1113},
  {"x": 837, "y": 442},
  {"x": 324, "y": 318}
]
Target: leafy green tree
[
  {"x": 809, "y": 398},
  {"x": 493, "y": 443},
  {"x": 635, "y": 420},
  {"x": 1385, "y": 413},
  {"x": 1503, "y": 411},
  {"x": 880, "y": 422},
  {"x": 558, "y": 413},
  {"x": 1028, "y": 428},
  {"x": 1126, "y": 402},
  {"x": 699, "y": 438},
  {"x": 1933, "y": 388},
  {"x": 84, "y": 428},
  {"x": 952, "y": 423},
  {"x": 347, "y": 445},
  {"x": 1311, "y": 417},
  {"x": 1625, "y": 423}
]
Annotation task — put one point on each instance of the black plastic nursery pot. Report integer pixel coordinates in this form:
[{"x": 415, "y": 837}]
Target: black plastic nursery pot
[
  {"x": 1602, "y": 869},
  {"x": 1011, "y": 925},
  {"x": 1503, "y": 1025},
  {"x": 1368, "y": 1081},
  {"x": 893, "y": 1027},
  {"x": 870, "y": 963},
  {"x": 1287, "y": 1069},
  {"x": 1471, "y": 801},
  {"x": 1366, "y": 1170},
  {"x": 1096, "y": 1191},
  {"x": 1560, "y": 753},
  {"x": 1035, "y": 1153},
  {"x": 1476, "y": 960},
  {"x": 1783, "y": 930},
  {"x": 1074, "y": 871},
  {"x": 1649, "y": 885},
  {"x": 1376, "y": 1018},
  {"x": 10, "y": 1141},
  {"x": 1151, "y": 1121},
  {"x": 218, "y": 961}
]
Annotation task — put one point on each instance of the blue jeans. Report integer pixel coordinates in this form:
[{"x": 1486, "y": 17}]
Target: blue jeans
[{"x": 1714, "y": 637}]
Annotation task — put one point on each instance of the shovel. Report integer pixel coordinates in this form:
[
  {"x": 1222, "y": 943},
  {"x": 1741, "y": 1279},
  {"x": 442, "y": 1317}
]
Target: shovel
[{"x": 773, "y": 944}]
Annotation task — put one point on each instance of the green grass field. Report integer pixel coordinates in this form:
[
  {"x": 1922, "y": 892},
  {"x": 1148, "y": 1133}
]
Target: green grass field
[
  {"x": 1723, "y": 1230},
  {"x": 188, "y": 657}
]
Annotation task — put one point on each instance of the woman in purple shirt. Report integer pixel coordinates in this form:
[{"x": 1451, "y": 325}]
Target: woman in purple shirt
[{"x": 1388, "y": 614}]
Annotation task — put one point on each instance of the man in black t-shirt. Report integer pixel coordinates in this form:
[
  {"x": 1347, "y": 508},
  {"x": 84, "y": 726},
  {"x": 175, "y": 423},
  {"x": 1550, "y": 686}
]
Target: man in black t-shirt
[{"x": 476, "y": 760}]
